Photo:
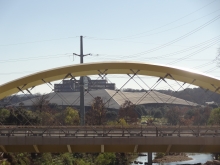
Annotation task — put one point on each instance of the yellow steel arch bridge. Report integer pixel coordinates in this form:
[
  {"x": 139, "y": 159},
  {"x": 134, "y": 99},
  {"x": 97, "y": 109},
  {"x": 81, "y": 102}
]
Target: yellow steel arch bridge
[
  {"x": 197, "y": 79},
  {"x": 98, "y": 139}
]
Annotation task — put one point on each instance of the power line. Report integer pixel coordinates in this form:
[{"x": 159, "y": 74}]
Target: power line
[
  {"x": 203, "y": 65},
  {"x": 177, "y": 19},
  {"x": 31, "y": 42},
  {"x": 43, "y": 41},
  {"x": 193, "y": 21},
  {"x": 212, "y": 69},
  {"x": 192, "y": 54},
  {"x": 11, "y": 73},
  {"x": 165, "y": 55},
  {"x": 181, "y": 37},
  {"x": 216, "y": 40},
  {"x": 167, "y": 23},
  {"x": 137, "y": 42},
  {"x": 123, "y": 40},
  {"x": 37, "y": 58},
  {"x": 175, "y": 40}
]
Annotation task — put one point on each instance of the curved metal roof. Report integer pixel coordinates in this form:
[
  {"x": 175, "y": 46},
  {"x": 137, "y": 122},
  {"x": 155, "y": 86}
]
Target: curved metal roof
[
  {"x": 113, "y": 100},
  {"x": 198, "y": 79}
]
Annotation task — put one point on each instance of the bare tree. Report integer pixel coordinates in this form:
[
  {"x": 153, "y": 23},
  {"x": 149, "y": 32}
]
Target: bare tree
[
  {"x": 41, "y": 103},
  {"x": 97, "y": 114},
  {"x": 42, "y": 108},
  {"x": 127, "y": 112}
]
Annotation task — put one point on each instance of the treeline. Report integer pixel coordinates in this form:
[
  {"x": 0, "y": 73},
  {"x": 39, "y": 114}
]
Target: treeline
[
  {"x": 197, "y": 95},
  {"x": 17, "y": 98},
  {"x": 45, "y": 113},
  {"x": 65, "y": 159}
]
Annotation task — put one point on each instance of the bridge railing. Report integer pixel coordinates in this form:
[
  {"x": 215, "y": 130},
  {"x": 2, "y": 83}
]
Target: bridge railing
[{"x": 111, "y": 131}]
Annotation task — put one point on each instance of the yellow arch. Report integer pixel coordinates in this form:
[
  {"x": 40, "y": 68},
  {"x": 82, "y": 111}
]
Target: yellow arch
[{"x": 38, "y": 78}]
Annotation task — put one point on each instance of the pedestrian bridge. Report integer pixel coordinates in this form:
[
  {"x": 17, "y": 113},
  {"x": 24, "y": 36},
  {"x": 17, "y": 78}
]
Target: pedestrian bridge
[{"x": 110, "y": 139}]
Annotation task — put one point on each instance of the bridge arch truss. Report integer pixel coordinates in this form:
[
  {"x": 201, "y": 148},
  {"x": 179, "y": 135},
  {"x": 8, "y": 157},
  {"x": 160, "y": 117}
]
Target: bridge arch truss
[{"x": 103, "y": 68}]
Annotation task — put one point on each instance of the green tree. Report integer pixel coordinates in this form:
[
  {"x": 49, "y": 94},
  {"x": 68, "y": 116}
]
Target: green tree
[
  {"x": 159, "y": 155},
  {"x": 198, "y": 115},
  {"x": 46, "y": 159},
  {"x": 189, "y": 114},
  {"x": 80, "y": 162},
  {"x": 18, "y": 158},
  {"x": 67, "y": 159},
  {"x": 71, "y": 116},
  {"x": 140, "y": 109},
  {"x": 173, "y": 116},
  {"x": 158, "y": 114},
  {"x": 202, "y": 116},
  {"x": 20, "y": 116},
  {"x": 4, "y": 114},
  {"x": 5, "y": 162},
  {"x": 23, "y": 159},
  {"x": 122, "y": 122},
  {"x": 214, "y": 116},
  {"x": 105, "y": 159},
  {"x": 47, "y": 118}
]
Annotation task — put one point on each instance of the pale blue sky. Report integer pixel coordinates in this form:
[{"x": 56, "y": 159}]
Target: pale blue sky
[{"x": 37, "y": 35}]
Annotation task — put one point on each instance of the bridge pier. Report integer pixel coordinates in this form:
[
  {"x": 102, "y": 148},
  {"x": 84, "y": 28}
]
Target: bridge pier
[
  {"x": 216, "y": 156},
  {"x": 149, "y": 156}
]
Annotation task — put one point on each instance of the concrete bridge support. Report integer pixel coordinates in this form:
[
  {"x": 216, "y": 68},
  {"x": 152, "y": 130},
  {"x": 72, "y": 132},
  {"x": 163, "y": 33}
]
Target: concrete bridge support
[{"x": 149, "y": 155}]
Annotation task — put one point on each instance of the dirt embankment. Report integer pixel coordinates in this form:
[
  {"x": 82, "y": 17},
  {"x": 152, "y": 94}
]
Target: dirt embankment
[
  {"x": 214, "y": 162},
  {"x": 182, "y": 157},
  {"x": 172, "y": 158}
]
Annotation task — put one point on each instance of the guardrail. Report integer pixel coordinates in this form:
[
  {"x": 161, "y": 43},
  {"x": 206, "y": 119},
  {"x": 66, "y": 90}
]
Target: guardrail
[{"x": 111, "y": 131}]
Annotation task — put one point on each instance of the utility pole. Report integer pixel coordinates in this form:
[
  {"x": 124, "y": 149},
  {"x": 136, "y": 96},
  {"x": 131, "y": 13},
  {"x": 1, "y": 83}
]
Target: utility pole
[{"x": 82, "y": 106}]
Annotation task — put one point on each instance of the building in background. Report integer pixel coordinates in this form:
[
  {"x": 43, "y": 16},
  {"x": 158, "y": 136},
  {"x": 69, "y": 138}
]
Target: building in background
[
  {"x": 112, "y": 99},
  {"x": 74, "y": 85}
]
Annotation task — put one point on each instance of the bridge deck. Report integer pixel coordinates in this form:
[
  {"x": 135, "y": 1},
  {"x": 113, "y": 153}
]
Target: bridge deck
[{"x": 109, "y": 139}]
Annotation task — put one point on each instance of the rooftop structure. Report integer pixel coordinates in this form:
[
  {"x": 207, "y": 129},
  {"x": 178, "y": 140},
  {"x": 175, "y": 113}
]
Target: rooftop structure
[
  {"x": 74, "y": 85},
  {"x": 114, "y": 100}
]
